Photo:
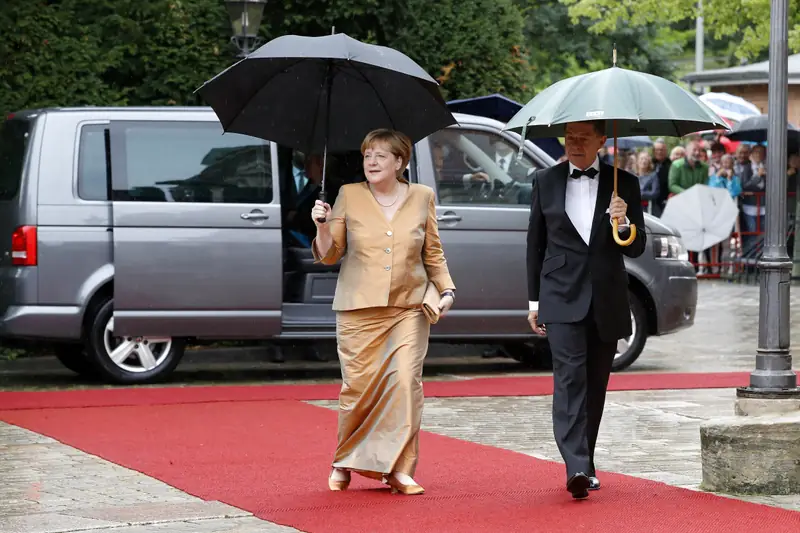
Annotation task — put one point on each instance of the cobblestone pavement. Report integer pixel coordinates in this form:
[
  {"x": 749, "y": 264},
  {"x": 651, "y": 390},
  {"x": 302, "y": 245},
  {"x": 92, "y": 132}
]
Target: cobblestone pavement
[
  {"x": 648, "y": 434},
  {"x": 48, "y": 487},
  {"x": 724, "y": 335},
  {"x": 722, "y": 339}
]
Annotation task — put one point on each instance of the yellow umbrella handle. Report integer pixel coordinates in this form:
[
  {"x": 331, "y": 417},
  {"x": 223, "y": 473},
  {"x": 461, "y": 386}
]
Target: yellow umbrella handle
[{"x": 614, "y": 223}]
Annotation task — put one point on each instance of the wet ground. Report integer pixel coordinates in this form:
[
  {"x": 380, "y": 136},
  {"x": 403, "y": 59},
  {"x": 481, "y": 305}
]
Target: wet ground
[
  {"x": 49, "y": 487},
  {"x": 722, "y": 339}
]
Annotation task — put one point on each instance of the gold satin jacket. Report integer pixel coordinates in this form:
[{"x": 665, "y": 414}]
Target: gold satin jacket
[{"x": 384, "y": 264}]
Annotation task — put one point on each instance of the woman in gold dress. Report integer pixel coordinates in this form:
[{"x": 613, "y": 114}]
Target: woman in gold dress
[{"x": 385, "y": 232}]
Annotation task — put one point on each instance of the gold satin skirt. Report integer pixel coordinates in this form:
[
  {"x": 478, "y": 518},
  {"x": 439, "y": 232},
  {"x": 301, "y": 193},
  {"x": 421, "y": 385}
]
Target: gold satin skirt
[{"x": 381, "y": 352}]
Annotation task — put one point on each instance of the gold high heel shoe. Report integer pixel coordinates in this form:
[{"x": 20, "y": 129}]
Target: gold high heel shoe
[
  {"x": 338, "y": 485},
  {"x": 408, "y": 490}
]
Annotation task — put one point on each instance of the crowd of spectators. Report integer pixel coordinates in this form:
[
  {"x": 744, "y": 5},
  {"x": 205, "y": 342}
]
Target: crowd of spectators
[{"x": 740, "y": 168}]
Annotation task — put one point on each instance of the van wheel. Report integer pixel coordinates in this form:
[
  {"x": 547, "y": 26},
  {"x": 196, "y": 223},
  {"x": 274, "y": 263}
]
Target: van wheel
[
  {"x": 630, "y": 348},
  {"x": 74, "y": 358},
  {"x": 129, "y": 360},
  {"x": 534, "y": 355},
  {"x": 537, "y": 354}
]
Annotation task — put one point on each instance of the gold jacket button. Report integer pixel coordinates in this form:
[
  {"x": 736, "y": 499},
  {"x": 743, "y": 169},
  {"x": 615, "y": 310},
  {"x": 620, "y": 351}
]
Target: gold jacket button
[
  {"x": 388, "y": 250},
  {"x": 387, "y": 267},
  {"x": 389, "y": 233}
]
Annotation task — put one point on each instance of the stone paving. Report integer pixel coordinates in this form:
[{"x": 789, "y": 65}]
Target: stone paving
[
  {"x": 648, "y": 434},
  {"x": 48, "y": 487}
]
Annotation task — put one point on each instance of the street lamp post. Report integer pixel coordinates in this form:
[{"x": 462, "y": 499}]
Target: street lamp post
[
  {"x": 245, "y": 18},
  {"x": 773, "y": 377}
]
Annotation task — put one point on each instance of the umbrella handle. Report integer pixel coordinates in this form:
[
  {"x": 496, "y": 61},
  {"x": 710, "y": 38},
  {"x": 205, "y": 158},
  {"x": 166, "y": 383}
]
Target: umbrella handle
[
  {"x": 323, "y": 197},
  {"x": 618, "y": 239},
  {"x": 614, "y": 223}
]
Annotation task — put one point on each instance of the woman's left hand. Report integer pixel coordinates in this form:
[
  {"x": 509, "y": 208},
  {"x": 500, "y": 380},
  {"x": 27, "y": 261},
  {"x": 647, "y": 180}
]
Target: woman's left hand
[{"x": 445, "y": 304}]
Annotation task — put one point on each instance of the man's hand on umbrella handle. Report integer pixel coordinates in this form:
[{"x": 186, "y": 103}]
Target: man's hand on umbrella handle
[
  {"x": 321, "y": 212},
  {"x": 533, "y": 318},
  {"x": 618, "y": 209}
]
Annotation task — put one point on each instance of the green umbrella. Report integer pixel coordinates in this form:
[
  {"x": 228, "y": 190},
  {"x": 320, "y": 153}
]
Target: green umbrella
[{"x": 632, "y": 103}]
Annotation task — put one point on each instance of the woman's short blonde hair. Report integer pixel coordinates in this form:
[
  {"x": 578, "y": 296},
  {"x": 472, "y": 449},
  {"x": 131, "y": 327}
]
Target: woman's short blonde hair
[{"x": 399, "y": 144}]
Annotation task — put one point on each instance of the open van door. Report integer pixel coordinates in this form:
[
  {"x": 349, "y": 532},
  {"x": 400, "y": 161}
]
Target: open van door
[{"x": 197, "y": 236}]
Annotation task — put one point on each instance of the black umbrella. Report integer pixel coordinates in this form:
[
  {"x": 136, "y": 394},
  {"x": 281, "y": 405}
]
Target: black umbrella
[
  {"x": 754, "y": 129},
  {"x": 317, "y": 94}
]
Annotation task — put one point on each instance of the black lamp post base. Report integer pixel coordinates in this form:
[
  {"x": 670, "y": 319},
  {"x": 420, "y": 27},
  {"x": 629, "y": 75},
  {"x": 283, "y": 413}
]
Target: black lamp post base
[{"x": 758, "y": 393}]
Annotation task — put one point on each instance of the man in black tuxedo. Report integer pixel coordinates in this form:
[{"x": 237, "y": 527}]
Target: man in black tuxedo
[{"x": 578, "y": 287}]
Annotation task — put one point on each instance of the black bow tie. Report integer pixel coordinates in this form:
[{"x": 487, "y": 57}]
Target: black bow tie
[{"x": 590, "y": 173}]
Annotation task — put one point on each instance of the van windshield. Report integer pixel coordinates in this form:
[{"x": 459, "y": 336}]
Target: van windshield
[{"x": 14, "y": 135}]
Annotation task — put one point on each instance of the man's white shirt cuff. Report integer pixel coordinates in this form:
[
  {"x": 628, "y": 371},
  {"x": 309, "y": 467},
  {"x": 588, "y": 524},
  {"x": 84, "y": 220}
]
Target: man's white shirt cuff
[
  {"x": 621, "y": 227},
  {"x": 533, "y": 306}
]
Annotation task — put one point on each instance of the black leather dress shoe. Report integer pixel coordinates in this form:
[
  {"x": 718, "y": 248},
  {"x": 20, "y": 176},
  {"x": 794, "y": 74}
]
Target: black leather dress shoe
[
  {"x": 594, "y": 483},
  {"x": 578, "y": 484}
]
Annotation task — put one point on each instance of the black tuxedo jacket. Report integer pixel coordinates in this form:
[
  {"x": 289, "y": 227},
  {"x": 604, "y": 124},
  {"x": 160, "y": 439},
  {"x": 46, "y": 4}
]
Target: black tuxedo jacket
[{"x": 565, "y": 275}]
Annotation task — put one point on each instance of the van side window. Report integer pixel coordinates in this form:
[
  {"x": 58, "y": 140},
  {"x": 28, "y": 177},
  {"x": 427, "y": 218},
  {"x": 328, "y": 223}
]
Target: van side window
[
  {"x": 92, "y": 184},
  {"x": 189, "y": 162},
  {"x": 474, "y": 167},
  {"x": 13, "y": 146}
]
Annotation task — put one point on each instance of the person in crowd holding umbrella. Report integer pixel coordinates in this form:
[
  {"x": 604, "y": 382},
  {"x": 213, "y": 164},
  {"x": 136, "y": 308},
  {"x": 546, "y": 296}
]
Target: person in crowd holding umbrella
[{"x": 385, "y": 232}]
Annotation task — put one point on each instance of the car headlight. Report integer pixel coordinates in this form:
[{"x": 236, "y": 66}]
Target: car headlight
[{"x": 669, "y": 247}]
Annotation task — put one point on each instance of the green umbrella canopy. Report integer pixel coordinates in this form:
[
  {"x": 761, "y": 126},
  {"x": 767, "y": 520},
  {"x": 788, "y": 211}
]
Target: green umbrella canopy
[{"x": 639, "y": 104}]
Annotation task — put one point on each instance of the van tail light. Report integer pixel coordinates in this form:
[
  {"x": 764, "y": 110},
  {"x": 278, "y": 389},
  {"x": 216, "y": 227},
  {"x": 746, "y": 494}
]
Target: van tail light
[{"x": 24, "y": 246}]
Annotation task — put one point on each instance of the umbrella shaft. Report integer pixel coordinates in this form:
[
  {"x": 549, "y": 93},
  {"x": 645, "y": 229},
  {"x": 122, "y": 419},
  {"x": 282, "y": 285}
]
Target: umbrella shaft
[
  {"x": 615, "y": 148},
  {"x": 324, "y": 167}
]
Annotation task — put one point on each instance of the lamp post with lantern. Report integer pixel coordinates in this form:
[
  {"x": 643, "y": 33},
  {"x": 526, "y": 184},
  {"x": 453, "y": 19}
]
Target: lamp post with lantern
[{"x": 245, "y": 18}]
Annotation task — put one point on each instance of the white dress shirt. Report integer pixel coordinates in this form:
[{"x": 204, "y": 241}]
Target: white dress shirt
[{"x": 581, "y": 197}]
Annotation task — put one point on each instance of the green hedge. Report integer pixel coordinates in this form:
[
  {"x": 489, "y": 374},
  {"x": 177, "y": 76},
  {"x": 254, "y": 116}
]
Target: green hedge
[{"x": 157, "y": 52}]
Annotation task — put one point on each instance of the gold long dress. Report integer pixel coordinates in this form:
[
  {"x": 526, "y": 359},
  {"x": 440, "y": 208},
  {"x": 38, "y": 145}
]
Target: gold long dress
[{"x": 381, "y": 330}]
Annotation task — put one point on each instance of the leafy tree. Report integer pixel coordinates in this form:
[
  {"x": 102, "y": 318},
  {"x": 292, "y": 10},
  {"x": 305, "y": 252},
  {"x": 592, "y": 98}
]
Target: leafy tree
[
  {"x": 472, "y": 47},
  {"x": 561, "y": 46},
  {"x": 162, "y": 50},
  {"x": 722, "y": 18},
  {"x": 157, "y": 52},
  {"x": 46, "y": 59}
]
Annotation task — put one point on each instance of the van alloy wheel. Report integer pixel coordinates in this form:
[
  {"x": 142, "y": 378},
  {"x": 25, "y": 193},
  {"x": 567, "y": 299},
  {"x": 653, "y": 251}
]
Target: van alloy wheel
[
  {"x": 623, "y": 345},
  {"x": 135, "y": 354}
]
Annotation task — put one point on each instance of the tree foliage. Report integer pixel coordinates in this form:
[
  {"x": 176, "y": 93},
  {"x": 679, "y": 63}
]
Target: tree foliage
[
  {"x": 561, "y": 46},
  {"x": 749, "y": 19},
  {"x": 157, "y": 52},
  {"x": 471, "y": 46}
]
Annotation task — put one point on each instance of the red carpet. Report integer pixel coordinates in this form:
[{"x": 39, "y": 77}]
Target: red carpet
[
  {"x": 505, "y": 386},
  {"x": 272, "y": 458}
]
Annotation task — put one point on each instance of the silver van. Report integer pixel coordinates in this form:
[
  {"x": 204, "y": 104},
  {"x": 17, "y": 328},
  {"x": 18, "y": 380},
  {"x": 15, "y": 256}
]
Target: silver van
[{"x": 127, "y": 232}]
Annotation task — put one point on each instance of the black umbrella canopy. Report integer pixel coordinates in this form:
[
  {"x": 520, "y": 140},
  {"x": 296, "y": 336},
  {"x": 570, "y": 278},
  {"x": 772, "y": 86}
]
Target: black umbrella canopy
[
  {"x": 304, "y": 92},
  {"x": 754, "y": 129}
]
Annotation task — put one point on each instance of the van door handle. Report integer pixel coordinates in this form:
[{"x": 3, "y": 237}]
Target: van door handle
[
  {"x": 449, "y": 217},
  {"x": 254, "y": 216}
]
